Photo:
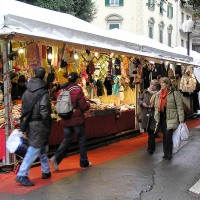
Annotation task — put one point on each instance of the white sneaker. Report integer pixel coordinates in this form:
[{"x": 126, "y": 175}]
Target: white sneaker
[{"x": 54, "y": 163}]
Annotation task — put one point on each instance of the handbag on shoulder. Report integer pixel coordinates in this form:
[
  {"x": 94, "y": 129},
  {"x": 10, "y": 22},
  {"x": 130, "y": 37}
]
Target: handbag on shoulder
[{"x": 139, "y": 115}]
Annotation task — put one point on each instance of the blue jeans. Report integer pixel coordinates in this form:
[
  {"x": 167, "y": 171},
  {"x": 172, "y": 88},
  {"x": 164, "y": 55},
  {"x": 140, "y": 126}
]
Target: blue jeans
[
  {"x": 64, "y": 146},
  {"x": 31, "y": 155}
]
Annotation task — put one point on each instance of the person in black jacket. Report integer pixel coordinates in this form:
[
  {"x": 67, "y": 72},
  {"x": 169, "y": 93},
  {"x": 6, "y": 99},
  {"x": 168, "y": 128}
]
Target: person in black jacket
[
  {"x": 39, "y": 128},
  {"x": 14, "y": 86},
  {"x": 21, "y": 85}
]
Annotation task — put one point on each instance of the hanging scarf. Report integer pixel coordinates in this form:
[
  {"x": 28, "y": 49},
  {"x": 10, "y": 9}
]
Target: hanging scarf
[{"x": 162, "y": 99}]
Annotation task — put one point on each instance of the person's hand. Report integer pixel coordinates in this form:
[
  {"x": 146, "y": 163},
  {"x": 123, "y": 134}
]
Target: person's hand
[
  {"x": 151, "y": 106},
  {"x": 144, "y": 105}
]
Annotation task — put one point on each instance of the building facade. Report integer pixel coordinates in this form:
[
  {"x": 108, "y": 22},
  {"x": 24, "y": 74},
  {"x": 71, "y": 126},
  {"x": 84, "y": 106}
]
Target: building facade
[{"x": 160, "y": 20}]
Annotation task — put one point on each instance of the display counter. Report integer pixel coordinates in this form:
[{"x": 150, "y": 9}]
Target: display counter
[{"x": 101, "y": 124}]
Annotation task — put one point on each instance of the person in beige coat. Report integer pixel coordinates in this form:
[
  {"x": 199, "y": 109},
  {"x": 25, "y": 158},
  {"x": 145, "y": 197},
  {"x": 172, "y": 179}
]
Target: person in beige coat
[{"x": 168, "y": 114}]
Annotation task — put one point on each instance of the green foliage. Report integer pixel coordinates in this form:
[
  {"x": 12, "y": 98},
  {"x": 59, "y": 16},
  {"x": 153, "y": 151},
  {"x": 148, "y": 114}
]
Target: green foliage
[
  {"x": 83, "y": 9},
  {"x": 196, "y": 7}
]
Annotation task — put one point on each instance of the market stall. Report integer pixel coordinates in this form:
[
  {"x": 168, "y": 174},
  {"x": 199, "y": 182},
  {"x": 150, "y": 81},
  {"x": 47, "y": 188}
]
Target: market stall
[
  {"x": 112, "y": 69},
  {"x": 27, "y": 42}
]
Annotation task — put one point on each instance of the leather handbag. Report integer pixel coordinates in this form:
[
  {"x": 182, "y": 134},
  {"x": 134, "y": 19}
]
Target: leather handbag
[{"x": 139, "y": 115}]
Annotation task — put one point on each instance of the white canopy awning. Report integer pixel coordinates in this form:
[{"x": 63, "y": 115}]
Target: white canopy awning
[
  {"x": 25, "y": 19},
  {"x": 149, "y": 45},
  {"x": 195, "y": 55},
  {"x": 28, "y": 22}
]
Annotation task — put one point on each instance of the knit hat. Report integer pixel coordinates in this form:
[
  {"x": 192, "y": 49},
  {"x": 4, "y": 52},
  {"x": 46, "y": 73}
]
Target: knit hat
[
  {"x": 73, "y": 76},
  {"x": 22, "y": 79},
  {"x": 40, "y": 72}
]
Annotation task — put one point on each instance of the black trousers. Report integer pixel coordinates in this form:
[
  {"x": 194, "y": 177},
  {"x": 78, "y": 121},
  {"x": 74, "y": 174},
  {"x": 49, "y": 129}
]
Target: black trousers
[
  {"x": 167, "y": 135},
  {"x": 151, "y": 140}
]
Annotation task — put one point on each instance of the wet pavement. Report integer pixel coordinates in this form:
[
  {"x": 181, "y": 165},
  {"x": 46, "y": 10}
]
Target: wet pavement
[{"x": 135, "y": 176}]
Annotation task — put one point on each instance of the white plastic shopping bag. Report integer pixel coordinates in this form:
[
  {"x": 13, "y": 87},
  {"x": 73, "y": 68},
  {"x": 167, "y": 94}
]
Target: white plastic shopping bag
[
  {"x": 184, "y": 131},
  {"x": 14, "y": 140},
  {"x": 177, "y": 137}
]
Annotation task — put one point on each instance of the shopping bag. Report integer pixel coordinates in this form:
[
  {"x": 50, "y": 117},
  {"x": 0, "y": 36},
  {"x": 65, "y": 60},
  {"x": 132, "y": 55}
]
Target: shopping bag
[
  {"x": 176, "y": 138},
  {"x": 17, "y": 143},
  {"x": 184, "y": 131}
]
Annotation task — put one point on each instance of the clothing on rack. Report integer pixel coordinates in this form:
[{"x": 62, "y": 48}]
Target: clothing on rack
[{"x": 188, "y": 82}]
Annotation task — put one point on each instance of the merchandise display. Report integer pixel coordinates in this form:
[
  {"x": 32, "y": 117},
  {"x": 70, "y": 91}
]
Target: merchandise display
[{"x": 112, "y": 82}]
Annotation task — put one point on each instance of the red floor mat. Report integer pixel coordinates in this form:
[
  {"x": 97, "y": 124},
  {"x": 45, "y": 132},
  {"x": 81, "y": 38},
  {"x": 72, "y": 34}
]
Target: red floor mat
[{"x": 70, "y": 165}]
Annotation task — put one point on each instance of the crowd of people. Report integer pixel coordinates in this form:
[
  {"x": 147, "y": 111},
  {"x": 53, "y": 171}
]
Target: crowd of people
[
  {"x": 18, "y": 85},
  {"x": 39, "y": 127},
  {"x": 161, "y": 109}
]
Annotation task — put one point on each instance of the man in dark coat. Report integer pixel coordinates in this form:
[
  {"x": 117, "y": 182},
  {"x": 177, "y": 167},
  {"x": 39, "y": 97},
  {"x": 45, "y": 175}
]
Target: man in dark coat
[
  {"x": 39, "y": 128},
  {"x": 75, "y": 124}
]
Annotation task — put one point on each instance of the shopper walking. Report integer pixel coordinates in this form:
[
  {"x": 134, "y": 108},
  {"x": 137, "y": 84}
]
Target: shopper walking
[
  {"x": 75, "y": 124},
  {"x": 168, "y": 114},
  {"x": 39, "y": 128},
  {"x": 147, "y": 118}
]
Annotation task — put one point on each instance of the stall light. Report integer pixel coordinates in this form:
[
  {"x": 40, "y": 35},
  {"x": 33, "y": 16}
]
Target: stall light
[
  {"x": 151, "y": 62},
  {"x": 111, "y": 55},
  {"x": 166, "y": 63},
  {"x": 50, "y": 56},
  {"x": 96, "y": 54},
  {"x": 20, "y": 51},
  {"x": 76, "y": 56}
]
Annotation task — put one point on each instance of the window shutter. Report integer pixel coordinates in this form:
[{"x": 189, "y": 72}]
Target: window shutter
[
  {"x": 121, "y": 2},
  {"x": 169, "y": 39},
  {"x": 167, "y": 10},
  {"x": 112, "y": 26},
  {"x": 107, "y": 2},
  {"x": 172, "y": 12},
  {"x": 151, "y": 4}
]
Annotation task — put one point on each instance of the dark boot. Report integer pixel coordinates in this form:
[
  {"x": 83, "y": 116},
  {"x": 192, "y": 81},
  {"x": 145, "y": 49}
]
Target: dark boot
[{"x": 46, "y": 175}]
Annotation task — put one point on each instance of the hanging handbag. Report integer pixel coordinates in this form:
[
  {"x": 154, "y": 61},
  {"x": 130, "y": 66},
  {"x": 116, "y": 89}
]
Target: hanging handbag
[
  {"x": 187, "y": 110},
  {"x": 139, "y": 115}
]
